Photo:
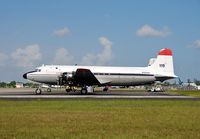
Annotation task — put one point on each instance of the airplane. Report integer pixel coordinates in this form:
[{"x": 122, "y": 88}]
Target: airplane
[{"x": 158, "y": 69}]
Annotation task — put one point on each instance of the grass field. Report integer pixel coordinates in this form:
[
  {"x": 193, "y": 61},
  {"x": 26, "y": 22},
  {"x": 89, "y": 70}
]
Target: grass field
[{"x": 100, "y": 119}]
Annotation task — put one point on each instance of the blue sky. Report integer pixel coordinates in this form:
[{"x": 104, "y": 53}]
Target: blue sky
[{"x": 92, "y": 32}]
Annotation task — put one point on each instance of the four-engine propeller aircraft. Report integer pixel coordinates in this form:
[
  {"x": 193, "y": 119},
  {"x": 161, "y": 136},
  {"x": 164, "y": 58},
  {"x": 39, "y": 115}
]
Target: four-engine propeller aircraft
[{"x": 159, "y": 69}]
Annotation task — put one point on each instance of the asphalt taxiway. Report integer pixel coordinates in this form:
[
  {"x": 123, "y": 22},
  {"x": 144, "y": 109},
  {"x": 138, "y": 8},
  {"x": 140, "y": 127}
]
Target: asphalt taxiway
[{"x": 58, "y": 94}]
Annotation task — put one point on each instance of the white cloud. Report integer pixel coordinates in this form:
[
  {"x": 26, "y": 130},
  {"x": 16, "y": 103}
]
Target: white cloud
[
  {"x": 106, "y": 55},
  {"x": 89, "y": 59},
  {"x": 195, "y": 44},
  {"x": 101, "y": 58},
  {"x": 3, "y": 58},
  {"x": 62, "y": 32},
  {"x": 148, "y": 31},
  {"x": 62, "y": 56},
  {"x": 25, "y": 57}
]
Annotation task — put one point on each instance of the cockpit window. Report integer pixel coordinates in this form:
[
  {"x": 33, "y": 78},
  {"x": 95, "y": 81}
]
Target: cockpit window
[{"x": 38, "y": 70}]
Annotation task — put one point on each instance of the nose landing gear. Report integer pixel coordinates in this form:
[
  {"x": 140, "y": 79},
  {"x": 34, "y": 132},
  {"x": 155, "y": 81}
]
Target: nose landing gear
[{"x": 38, "y": 91}]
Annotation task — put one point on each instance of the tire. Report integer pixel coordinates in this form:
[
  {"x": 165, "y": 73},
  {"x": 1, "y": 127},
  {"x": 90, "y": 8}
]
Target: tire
[
  {"x": 38, "y": 91},
  {"x": 48, "y": 89},
  {"x": 68, "y": 90},
  {"x": 84, "y": 91},
  {"x": 105, "y": 89}
]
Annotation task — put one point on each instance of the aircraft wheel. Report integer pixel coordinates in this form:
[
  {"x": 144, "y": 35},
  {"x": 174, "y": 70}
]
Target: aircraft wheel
[
  {"x": 48, "y": 89},
  {"x": 84, "y": 91},
  {"x": 105, "y": 89},
  {"x": 68, "y": 90},
  {"x": 38, "y": 91}
]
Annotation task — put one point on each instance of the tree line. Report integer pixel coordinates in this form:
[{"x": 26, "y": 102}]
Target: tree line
[{"x": 11, "y": 84}]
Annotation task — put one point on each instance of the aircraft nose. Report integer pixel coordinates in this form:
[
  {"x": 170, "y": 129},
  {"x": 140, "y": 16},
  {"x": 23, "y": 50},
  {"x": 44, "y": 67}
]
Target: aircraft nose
[{"x": 25, "y": 76}]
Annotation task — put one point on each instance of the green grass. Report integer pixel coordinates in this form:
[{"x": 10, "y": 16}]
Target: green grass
[
  {"x": 194, "y": 93},
  {"x": 91, "y": 119}
]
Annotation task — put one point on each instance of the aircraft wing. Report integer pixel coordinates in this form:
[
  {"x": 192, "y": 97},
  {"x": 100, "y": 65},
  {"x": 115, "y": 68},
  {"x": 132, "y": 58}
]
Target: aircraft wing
[{"x": 86, "y": 77}]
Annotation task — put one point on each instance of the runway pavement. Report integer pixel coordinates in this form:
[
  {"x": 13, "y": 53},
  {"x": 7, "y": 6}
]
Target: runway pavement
[{"x": 58, "y": 94}]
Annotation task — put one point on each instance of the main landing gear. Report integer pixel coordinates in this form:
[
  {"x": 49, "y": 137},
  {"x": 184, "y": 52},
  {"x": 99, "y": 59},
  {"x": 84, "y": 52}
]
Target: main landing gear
[
  {"x": 87, "y": 89},
  {"x": 84, "y": 90},
  {"x": 70, "y": 88},
  {"x": 48, "y": 89},
  {"x": 105, "y": 89}
]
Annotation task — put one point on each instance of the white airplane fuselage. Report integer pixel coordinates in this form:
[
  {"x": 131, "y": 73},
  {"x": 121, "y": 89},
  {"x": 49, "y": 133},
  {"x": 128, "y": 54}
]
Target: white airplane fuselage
[
  {"x": 159, "y": 69},
  {"x": 114, "y": 76}
]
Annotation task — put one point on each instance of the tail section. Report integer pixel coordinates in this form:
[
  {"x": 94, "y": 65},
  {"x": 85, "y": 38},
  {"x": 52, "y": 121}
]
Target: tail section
[{"x": 162, "y": 66}]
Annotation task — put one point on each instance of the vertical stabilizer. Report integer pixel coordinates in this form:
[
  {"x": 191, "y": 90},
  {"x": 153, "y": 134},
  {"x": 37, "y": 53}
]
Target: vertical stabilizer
[{"x": 163, "y": 64}]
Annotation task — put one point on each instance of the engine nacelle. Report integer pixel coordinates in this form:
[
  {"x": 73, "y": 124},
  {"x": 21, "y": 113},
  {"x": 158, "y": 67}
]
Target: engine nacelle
[{"x": 66, "y": 79}]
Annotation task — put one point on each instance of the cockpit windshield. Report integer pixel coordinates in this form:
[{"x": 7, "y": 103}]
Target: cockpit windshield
[{"x": 38, "y": 70}]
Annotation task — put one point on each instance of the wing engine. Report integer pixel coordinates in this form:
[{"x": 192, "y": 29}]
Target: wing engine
[{"x": 79, "y": 78}]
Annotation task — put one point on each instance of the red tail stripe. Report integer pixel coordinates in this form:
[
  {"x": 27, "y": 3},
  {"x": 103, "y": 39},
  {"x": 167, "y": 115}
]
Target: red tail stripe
[{"x": 166, "y": 51}]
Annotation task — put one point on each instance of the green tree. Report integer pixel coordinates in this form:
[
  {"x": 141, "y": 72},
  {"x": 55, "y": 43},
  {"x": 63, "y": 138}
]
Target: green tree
[
  {"x": 197, "y": 82},
  {"x": 3, "y": 84},
  {"x": 12, "y": 84}
]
